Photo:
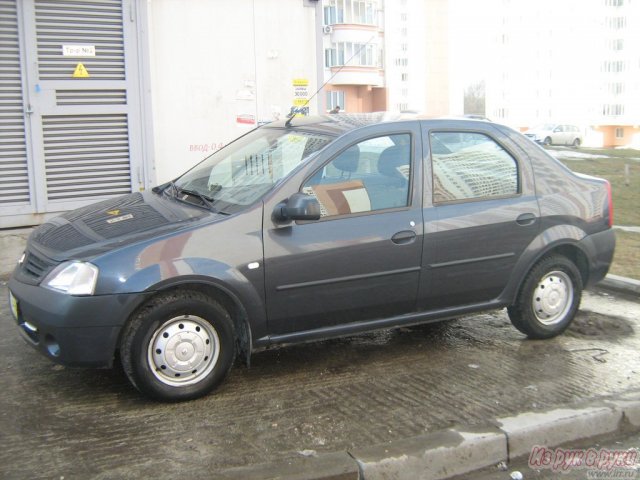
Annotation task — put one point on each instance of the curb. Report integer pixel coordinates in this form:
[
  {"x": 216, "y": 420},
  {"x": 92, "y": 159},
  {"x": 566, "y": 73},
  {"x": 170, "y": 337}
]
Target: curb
[
  {"x": 458, "y": 451},
  {"x": 620, "y": 284}
]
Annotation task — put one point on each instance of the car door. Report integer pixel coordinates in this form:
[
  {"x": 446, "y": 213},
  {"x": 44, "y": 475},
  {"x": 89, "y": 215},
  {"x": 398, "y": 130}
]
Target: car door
[
  {"x": 480, "y": 214},
  {"x": 361, "y": 260}
]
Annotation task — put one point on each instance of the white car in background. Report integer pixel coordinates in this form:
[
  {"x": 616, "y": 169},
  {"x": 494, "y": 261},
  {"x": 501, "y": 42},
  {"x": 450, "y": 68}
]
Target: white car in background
[{"x": 555, "y": 134}]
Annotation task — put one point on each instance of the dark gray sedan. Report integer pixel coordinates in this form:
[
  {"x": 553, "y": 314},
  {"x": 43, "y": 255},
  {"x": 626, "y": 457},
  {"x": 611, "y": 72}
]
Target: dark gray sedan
[{"x": 312, "y": 228}]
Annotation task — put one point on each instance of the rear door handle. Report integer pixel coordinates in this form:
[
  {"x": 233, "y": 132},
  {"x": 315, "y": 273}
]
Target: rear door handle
[
  {"x": 405, "y": 236},
  {"x": 526, "y": 219}
]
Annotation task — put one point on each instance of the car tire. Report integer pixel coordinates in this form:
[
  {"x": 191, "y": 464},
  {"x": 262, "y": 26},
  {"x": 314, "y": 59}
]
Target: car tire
[
  {"x": 548, "y": 299},
  {"x": 576, "y": 142},
  {"x": 547, "y": 141},
  {"x": 179, "y": 346}
]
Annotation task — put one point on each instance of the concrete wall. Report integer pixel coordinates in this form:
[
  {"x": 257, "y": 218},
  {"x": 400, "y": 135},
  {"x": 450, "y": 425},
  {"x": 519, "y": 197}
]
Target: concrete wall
[
  {"x": 12, "y": 243},
  {"x": 215, "y": 62}
]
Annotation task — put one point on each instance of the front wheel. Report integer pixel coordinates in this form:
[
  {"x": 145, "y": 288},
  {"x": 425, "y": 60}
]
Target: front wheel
[
  {"x": 549, "y": 298},
  {"x": 547, "y": 141},
  {"x": 180, "y": 346}
]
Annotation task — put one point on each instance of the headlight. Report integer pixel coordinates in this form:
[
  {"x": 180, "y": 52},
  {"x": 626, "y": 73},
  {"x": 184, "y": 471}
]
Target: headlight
[{"x": 74, "y": 278}]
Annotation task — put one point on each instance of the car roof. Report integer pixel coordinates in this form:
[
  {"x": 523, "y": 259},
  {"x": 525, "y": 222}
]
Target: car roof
[{"x": 340, "y": 123}]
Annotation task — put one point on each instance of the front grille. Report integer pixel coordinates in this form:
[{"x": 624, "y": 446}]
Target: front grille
[{"x": 35, "y": 267}]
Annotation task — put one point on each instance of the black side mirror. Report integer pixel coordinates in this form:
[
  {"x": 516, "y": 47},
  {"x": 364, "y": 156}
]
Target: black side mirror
[{"x": 298, "y": 207}]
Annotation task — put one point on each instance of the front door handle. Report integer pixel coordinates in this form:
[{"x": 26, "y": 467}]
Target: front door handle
[
  {"x": 405, "y": 236},
  {"x": 526, "y": 219}
]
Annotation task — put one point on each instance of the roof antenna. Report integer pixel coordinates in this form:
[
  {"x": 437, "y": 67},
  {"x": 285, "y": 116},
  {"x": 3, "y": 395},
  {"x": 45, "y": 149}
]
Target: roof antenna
[{"x": 293, "y": 112}]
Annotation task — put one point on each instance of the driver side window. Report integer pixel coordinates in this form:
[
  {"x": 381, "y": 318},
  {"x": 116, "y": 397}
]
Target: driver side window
[{"x": 371, "y": 175}]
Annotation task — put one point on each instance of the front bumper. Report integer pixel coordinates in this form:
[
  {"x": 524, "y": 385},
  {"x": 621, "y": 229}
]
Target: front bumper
[{"x": 70, "y": 330}]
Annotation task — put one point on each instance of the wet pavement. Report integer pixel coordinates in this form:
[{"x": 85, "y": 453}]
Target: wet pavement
[
  {"x": 320, "y": 397},
  {"x": 626, "y": 448}
]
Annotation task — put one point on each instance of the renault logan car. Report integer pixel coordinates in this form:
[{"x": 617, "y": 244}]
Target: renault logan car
[{"x": 312, "y": 228}]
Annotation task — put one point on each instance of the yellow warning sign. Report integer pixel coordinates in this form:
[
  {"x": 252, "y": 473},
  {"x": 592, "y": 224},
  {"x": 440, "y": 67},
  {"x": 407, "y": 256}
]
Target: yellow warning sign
[
  {"x": 300, "y": 82},
  {"x": 80, "y": 72}
]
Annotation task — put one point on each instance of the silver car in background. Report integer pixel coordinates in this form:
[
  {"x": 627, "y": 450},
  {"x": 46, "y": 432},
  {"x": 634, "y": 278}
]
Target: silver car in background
[{"x": 555, "y": 134}]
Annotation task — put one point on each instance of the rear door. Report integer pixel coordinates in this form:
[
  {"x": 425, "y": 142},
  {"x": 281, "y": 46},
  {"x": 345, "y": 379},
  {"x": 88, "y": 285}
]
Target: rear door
[
  {"x": 480, "y": 214},
  {"x": 361, "y": 260}
]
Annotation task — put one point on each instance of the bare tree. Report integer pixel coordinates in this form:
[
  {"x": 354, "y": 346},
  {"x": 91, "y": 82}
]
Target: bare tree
[{"x": 474, "y": 96}]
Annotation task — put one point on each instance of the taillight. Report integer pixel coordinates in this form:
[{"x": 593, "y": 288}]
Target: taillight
[{"x": 610, "y": 204}]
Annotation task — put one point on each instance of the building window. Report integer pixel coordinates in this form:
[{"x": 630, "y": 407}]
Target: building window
[
  {"x": 350, "y": 11},
  {"x": 335, "y": 98},
  {"x": 470, "y": 166},
  {"x": 403, "y": 17},
  {"x": 405, "y": 92},
  {"x": 613, "y": 109},
  {"x": 616, "y": 23},
  {"x": 402, "y": 107},
  {"x": 402, "y": 62},
  {"x": 403, "y": 47},
  {"x": 616, "y": 66},
  {"x": 330, "y": 15},
  {"x": 614, "y": 3},
  {"x": 616, "y": 44},
  {"x": 404, "y": 77},
  {"x": 330, "y": 57},
  {"x": 616, "y": 88},
  {"x": 359, "y": 54},
  {"x": 619, "y": 132}
]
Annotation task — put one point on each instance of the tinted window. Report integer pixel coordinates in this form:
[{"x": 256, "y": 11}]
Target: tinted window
[
  {"x": 470, "y": 166},
  {"x": 370, "y": 175}
]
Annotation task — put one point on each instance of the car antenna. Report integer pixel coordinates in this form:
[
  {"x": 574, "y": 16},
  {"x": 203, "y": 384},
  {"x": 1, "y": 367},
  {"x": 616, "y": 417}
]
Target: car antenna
[{"x": 292, "y": 114}]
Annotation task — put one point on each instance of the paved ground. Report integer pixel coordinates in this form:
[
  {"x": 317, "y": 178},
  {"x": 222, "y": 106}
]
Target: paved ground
[
  {"x": 324, "y": 397},
  {"x": 617, "y": 445}
]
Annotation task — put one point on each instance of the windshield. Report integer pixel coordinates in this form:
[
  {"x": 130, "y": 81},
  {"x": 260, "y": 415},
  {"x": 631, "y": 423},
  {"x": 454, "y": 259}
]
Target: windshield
[{"x": 241, "y": 173}]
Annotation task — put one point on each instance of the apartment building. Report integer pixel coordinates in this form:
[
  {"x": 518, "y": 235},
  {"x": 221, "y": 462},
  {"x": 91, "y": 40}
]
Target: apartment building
[
  {"x": 579, "y": 65},
  {"x": 386, "y": 55}
]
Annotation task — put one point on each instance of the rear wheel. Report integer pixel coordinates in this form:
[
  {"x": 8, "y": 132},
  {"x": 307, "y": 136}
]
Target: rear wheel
[
  {"x": 576, "y": 142},
  {"x": 548, "y": 299},
  {"x": 180, "y": 346}
]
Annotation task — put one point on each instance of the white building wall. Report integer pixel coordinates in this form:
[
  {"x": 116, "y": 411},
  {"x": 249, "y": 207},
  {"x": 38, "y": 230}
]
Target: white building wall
[
  {"x": 551, "y": 62},
  {"x": 405, "y": 37},
  {"x": 215, "y": 61}
]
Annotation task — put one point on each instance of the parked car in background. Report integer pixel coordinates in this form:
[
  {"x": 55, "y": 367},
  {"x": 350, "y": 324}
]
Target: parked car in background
[
  {"x": 311, "y": 228},
  {"x": 555, "y": 134}
]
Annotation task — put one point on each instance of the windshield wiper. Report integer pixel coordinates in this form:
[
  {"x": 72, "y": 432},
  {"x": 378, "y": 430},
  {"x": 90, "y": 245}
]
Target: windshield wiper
[
  {"x": 160, "y": 189},
  {"x": 206, "y": 201}
]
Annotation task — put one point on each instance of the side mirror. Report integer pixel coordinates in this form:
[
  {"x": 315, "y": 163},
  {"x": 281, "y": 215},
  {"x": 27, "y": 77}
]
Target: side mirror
[{"x": 298, "y": 207}]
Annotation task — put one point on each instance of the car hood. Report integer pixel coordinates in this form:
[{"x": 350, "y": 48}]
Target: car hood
[{"x": 102, "y": 226}]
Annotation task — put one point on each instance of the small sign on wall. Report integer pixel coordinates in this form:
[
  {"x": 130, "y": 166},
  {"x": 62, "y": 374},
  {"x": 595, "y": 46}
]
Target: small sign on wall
[{"x": 79, "y": 50}]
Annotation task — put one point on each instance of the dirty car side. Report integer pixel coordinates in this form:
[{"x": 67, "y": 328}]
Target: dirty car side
[{"x": 328, "y": 226}]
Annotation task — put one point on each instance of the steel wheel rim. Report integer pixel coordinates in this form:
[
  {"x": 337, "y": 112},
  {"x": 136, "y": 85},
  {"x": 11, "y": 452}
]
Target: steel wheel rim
[
  {"x": 553, "y": 297},
  {"x": 183, "y": 350}
]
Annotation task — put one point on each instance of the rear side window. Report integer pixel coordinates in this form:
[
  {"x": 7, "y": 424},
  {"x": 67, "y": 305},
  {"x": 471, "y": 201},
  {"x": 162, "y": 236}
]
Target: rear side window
[
  {"x": 470, "y": 166},
  {"x": 368, "y": 176}
]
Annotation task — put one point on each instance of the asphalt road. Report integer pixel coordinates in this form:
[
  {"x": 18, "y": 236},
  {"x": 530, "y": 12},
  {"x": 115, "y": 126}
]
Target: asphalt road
[{"x": 322, "y": 397}]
